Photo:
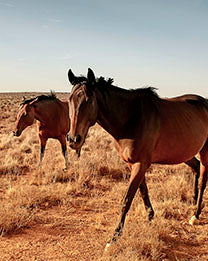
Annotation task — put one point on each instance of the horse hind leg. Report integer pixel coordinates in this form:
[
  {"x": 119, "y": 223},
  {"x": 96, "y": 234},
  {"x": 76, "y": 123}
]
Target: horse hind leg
[
  {"x": 203, "y": 181},
  {"x": 194, "y": 163},
  {"x": 144, "y": 193}
]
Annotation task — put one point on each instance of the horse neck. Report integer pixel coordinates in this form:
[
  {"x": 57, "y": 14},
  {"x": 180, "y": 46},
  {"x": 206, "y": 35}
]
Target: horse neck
[
  {"x": 113, "y": 111},
  {"x": 43, "y": 111}
]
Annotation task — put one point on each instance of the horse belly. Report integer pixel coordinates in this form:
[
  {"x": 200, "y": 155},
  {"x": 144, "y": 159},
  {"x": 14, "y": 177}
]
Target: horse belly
[{"x": 179, "y": 146}]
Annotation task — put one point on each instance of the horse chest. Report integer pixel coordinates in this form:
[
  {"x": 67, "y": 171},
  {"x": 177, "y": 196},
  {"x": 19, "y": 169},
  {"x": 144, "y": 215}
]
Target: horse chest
[{"x": 126, "y": 150}]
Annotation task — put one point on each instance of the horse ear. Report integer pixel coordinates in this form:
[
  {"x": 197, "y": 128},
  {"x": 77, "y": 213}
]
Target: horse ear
[
  {"x": 91, "y": 76},
  {"x": 23, "y": 98},
  {"x": 71, "y": 77}
]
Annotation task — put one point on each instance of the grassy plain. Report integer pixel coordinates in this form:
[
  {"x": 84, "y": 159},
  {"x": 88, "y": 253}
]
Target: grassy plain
[{"x": 50, "y": 214}]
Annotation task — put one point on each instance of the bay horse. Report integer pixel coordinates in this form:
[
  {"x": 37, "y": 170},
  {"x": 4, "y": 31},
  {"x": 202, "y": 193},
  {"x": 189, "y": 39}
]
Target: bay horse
[
  {"x": 52, "y": 115},
  {"x": 146, "y": 128}
]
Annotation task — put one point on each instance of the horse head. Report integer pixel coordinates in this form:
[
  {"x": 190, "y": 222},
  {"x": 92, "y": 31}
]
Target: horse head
[
  {"x": 25, "y": 118},
  {"x": 83, "y": 107}
]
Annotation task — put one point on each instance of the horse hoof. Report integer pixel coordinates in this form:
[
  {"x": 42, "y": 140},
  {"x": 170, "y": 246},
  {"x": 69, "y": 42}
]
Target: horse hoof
[
  {"x": 107, "y": 247},
  {"x": 193, "y": 220}
]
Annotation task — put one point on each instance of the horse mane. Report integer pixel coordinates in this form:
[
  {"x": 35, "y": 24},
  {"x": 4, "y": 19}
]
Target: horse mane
[
  {"x": 42, "y": 97},
  {"x": 106, "y": 85}
]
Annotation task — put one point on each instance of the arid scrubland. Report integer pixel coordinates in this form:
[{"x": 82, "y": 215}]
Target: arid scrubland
[{"x": 51, "y": 214}]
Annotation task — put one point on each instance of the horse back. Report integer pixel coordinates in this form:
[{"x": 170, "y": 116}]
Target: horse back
[{"x": 58, "y": 122}]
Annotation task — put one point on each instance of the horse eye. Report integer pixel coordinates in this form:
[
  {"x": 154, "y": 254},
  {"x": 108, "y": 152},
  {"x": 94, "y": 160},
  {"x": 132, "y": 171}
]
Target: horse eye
[{"x": 79, "y": 94}]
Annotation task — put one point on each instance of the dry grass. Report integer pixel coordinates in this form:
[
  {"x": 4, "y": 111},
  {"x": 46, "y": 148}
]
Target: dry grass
[{"x": 51, "y": 214}]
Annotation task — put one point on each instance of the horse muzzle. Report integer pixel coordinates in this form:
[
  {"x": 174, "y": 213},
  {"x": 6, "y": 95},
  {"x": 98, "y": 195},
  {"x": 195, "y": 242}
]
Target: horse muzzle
[
  {"x": 74, "y": 142},
  {"x": 16, "y": 133}
]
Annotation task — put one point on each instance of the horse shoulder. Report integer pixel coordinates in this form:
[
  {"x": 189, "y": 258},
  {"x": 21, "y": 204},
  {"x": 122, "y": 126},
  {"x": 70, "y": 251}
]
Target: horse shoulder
[{"x": 64, "y": 119}]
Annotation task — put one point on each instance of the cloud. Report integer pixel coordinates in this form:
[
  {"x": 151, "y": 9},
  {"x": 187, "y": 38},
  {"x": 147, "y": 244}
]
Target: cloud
[
  {"x": 54, "y": 20},
  {"x": 69, "y": 56},
  {"x": 21, "y": 59},
  {"x": 45, "y": 26},
  {"x": 7, "y": 4},
  {"x": 50, "y": 22}
]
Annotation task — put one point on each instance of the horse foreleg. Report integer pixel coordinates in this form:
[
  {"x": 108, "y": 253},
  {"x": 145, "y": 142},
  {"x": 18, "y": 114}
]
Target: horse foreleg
[
  {"x": 137, "y": 176},
  {"x": 144, "y": 193},
  {"x": 62, "y": 140},
  {"x": 203, "y": 181},
  {"x": 194, "y": 163},
  {"x": 42, "y": 149}
]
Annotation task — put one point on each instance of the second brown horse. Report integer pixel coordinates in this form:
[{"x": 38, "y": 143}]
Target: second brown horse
[{"x": 52, "y": 115}]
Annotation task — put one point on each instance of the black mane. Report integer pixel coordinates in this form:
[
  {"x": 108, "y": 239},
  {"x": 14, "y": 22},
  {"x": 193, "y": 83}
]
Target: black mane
[
  {"x": 107, "y": 85},
  {"x": 104, "y": 85},
  {"x": 42, "y": 97}
]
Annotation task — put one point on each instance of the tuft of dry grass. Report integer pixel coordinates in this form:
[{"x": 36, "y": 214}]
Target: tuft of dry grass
[{"x": 52, "y": 214}]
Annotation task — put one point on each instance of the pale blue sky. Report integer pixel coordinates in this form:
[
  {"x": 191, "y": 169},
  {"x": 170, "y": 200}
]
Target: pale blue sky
[{"x": 160, "y": 43}]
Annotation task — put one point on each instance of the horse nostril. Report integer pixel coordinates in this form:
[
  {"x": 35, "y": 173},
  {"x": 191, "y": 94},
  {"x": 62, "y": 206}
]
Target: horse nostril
[
  {"x": 16, "y": 133},
  {"x": 68, "y": 137},
  {"x": 78, "y": 138}
]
